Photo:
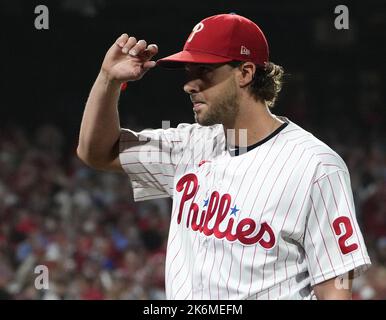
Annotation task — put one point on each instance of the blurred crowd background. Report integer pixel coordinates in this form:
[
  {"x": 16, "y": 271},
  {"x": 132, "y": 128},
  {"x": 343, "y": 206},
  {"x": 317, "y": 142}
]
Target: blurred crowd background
[{"x": 83, "y": 224}]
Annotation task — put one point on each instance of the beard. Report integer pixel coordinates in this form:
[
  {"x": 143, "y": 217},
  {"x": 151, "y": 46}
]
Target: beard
[{"x": 223, "y": 108}]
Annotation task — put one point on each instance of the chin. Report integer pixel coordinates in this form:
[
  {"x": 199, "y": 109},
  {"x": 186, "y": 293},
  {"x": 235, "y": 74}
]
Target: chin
[
  {"x": 205, "y": 122},
  {"x": 205, "y": 119},
  {"x": 200, "y": 122}
]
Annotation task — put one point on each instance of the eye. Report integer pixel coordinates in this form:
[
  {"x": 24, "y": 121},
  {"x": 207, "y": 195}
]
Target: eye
[
  {"x": 203, "y": 69},
  {"x": 199, "y": 71}
]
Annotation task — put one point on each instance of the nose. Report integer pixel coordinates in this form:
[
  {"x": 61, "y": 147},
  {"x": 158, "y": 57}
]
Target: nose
[{"x": 191, "y": 86}]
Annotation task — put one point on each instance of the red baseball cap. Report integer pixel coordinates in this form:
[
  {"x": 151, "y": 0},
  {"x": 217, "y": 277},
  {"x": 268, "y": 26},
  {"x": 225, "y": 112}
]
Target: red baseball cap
[{"x": 221, "y": 38}]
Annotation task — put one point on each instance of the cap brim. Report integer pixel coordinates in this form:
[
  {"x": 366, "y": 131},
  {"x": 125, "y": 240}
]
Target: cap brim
[{"x": 178, "y": 60}]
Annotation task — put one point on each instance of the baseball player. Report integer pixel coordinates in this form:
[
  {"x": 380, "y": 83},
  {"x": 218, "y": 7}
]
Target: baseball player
[{"x": 262, "y": 209}]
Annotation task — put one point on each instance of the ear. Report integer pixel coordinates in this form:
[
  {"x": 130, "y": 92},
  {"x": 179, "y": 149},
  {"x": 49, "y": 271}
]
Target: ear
[{"x": 247, "y": 72}]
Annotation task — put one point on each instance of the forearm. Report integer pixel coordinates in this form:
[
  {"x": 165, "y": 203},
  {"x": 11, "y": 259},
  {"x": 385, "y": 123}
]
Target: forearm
[
  {"x": 99, "y": 135},
  {"x": 100, "y": 128}
]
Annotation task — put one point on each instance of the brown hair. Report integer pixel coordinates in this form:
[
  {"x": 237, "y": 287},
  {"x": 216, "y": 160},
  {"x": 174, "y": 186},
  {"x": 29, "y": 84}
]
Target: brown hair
[{"x": 267, "y": 82}]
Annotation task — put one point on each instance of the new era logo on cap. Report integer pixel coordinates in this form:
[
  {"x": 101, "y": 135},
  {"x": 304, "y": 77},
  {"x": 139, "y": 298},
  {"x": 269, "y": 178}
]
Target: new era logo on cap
[
  {"x": 245, "y": 51},
  {"x": 222, "y": 38}
]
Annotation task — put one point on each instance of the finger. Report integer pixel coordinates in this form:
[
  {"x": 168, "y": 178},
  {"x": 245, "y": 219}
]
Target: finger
[
  {"x": 149, "y": 64},
  {"x": 121, "y": 41},
  {"x": 149, "y": 53},
  {"x": 138, "y": 48},
  {"x": 131, "y": 42},
  {"x": 152, "y": 50}
]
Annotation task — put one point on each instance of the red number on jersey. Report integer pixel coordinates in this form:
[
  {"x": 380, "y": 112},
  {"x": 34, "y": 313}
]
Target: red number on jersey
[{"x": 347, "y": 233}]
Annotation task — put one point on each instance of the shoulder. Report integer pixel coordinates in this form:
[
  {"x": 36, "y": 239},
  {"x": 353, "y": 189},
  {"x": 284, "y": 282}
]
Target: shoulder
[{"x": 324, "y": 160}]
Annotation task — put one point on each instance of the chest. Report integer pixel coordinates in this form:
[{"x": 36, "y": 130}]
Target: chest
[{"x": 249, "y": 199}]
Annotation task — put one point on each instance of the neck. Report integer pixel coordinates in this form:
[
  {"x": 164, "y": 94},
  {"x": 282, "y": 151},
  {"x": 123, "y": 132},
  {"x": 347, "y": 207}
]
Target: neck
[{"x": 253, "y": 123}]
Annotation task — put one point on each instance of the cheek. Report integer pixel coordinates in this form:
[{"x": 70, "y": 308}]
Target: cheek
[
  {"x": 214, "y": 97},
  {"x": 210, "y": 95}
]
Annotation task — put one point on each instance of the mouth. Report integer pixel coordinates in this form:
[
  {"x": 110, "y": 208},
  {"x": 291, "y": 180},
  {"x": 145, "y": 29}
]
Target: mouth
[{"x": 197, "y": 105}]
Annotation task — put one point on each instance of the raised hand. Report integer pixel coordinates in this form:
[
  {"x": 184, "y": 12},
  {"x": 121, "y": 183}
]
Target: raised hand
[{"x": 128, "y": 59}]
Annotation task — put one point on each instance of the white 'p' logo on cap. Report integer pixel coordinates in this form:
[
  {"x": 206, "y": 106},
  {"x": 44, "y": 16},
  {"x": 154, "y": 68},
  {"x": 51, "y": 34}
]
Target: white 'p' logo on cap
[{"x": 197, "y": 28}]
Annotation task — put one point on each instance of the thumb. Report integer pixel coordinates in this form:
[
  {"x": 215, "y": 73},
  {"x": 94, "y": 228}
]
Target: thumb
[{"x": 149, "y": 65}]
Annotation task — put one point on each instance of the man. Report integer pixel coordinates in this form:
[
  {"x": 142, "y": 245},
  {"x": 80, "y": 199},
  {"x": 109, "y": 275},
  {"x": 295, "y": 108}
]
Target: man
[{"x": 262, "y": 209}]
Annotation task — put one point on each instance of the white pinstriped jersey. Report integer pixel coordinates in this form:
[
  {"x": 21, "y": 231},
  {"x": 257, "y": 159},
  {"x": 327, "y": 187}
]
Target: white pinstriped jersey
[{"x": 266, "y": 224}]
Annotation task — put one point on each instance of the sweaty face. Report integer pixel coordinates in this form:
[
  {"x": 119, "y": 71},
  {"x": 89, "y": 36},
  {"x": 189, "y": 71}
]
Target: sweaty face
[{"x": 213, "y": 91}]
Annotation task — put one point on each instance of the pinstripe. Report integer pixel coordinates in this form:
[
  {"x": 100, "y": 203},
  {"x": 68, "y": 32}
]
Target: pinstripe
[
  {"x": 316, "y": 256},
  {"x": 329, "y": 215},
  {"x": 351, "y": 214},
  {"x": 321, "y": 235},
  {"x": 271, "y": 184}
]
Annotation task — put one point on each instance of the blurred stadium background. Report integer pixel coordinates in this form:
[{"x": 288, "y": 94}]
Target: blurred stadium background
[{"x": 83, "y": 224}]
